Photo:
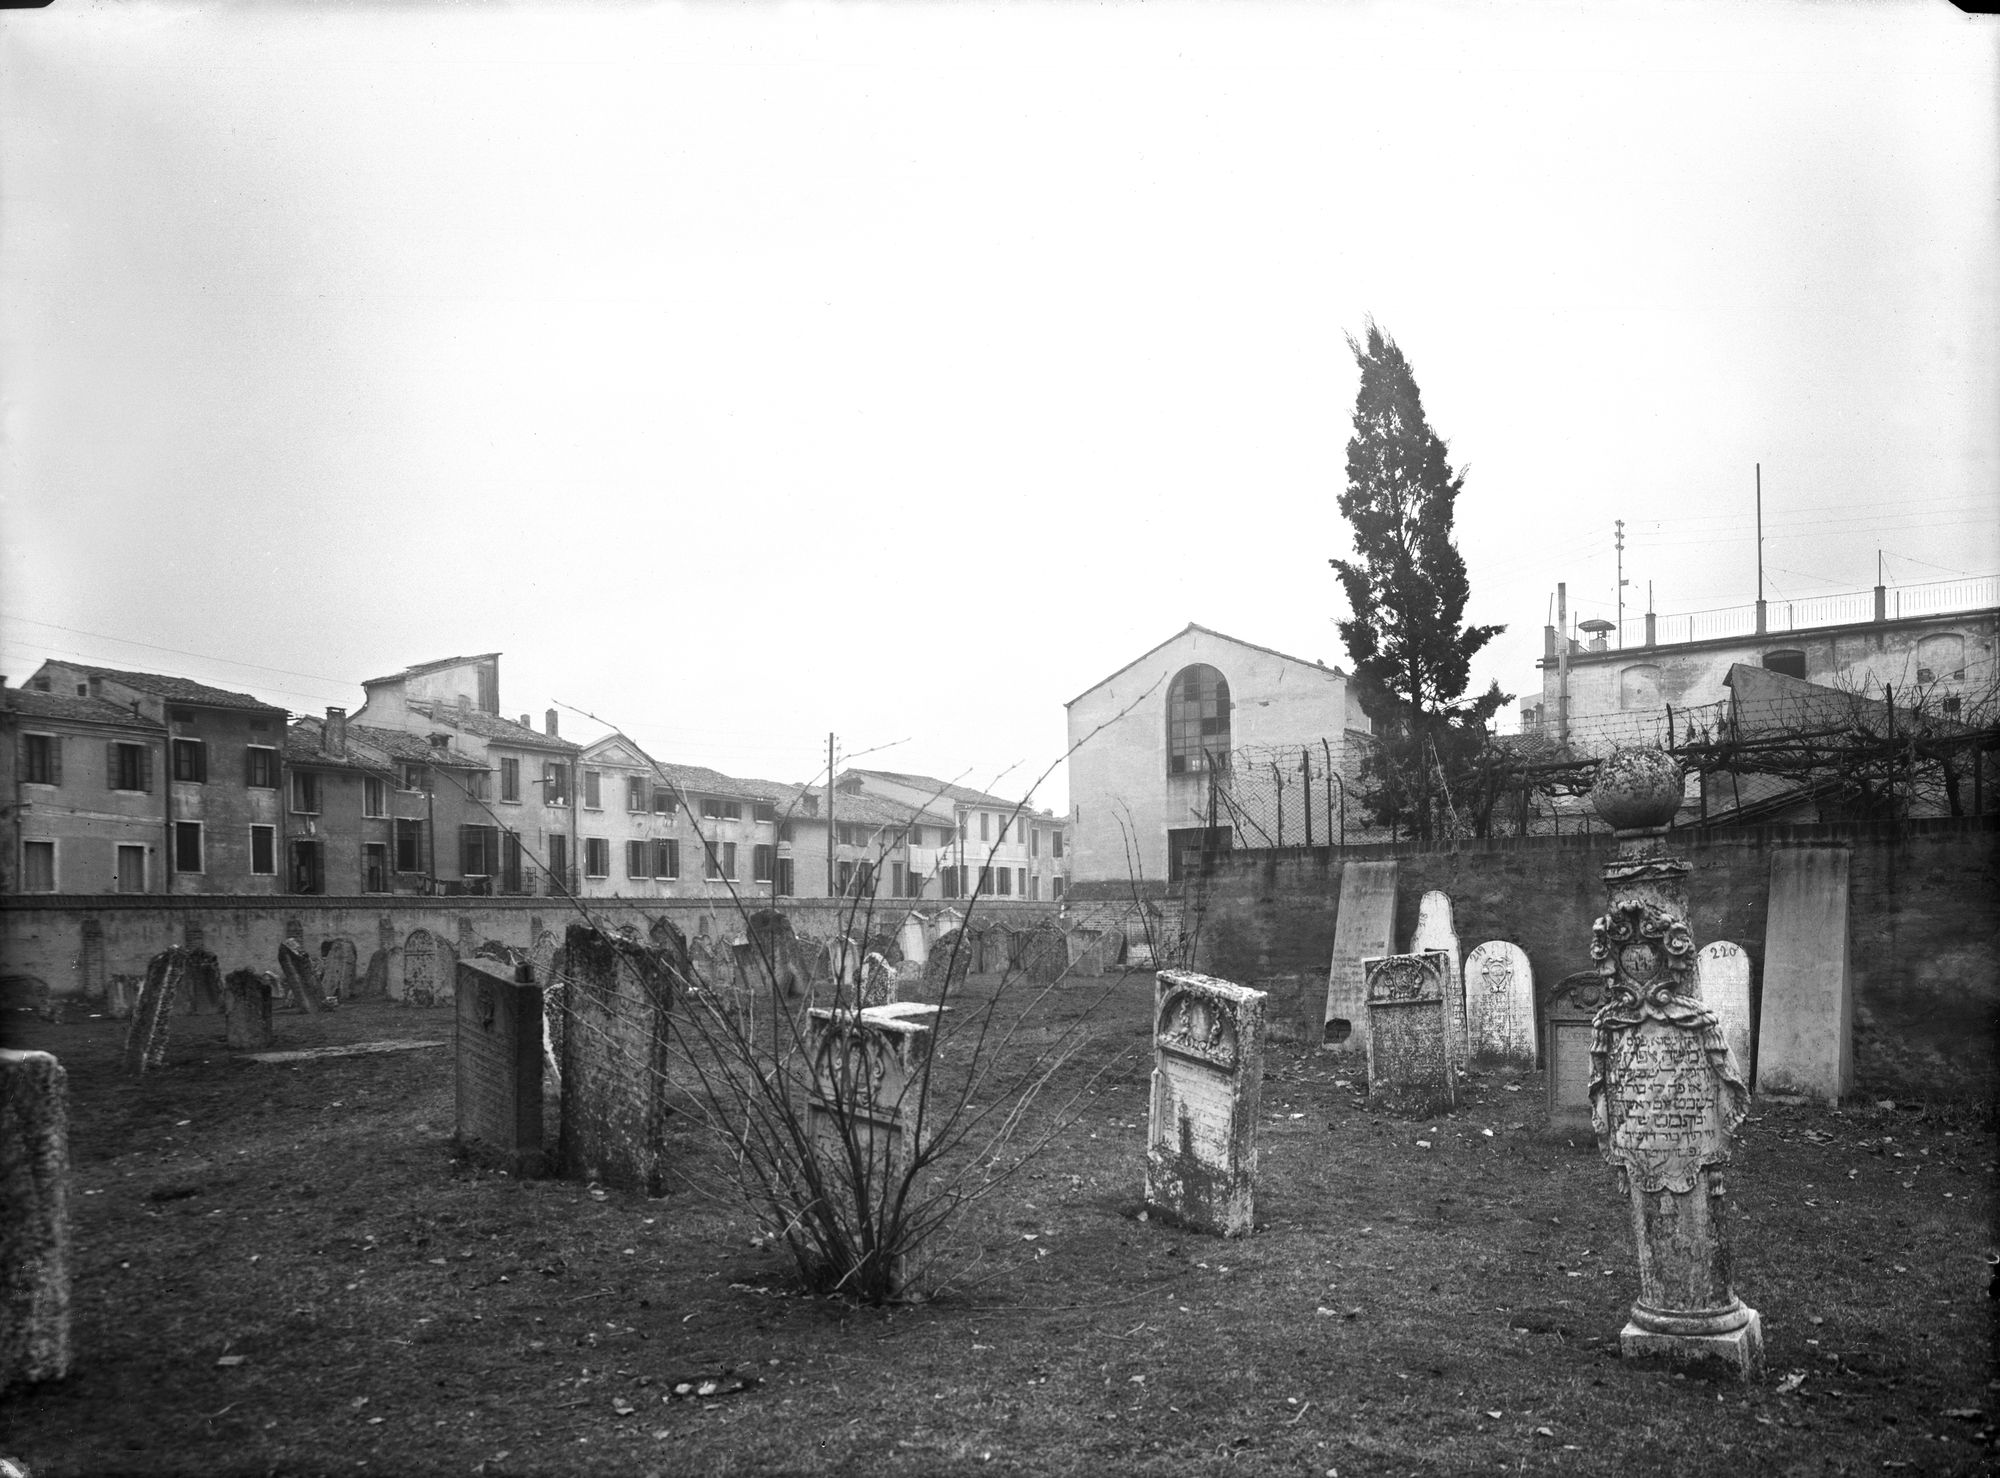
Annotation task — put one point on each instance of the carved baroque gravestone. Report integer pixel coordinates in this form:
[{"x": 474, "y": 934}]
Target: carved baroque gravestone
[
  {"x": 1665, "y": 1093},
  {"x": 1436, "y": 934},
  {"x": 246, "y": 1010},
  {"x": 1363, "y": 928},
  {"x": 1567, "y": 1034},
  {"x": 146, "y": 1033},
  {"x": 1411, "y": 1066},
  {"x": 1500, "y": 1004},
  {"x": 617, "y": 1003},
  {"x": 499, "y": 1067},
  {"x": 1722, "y": 971},
  {"x": 34, "y": 1229},
  {"x": 1208, "y": 1083}
]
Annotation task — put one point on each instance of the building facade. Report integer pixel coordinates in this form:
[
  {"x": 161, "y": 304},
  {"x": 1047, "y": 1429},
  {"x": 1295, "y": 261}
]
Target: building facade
[
  {"x": 959, "y": 841},
  {"x": 85, "y": 807}
]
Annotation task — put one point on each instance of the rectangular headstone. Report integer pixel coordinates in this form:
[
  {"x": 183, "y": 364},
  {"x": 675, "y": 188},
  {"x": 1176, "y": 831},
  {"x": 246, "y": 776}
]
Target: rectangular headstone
[
  {"x": 617, "y": 1000},
  {"x": 1500, "y": 1005},
  {"x": 1566, "y": 1038},
  {"x": 34, "y": 1229},
  {"x": 1805, "y": 1039},
  {"x": 1722, "y": 973},
  {"x": 246, "y": 1010},
  {"x": 336, "y": 970},
  {"x": 301, "y": 976},
  {"x": 1411, "y": 1067},
  {"x": 499, "y": 1051},
  {"x": 152, "y": 1012},
  {"x": 1208, "y": 1082},
  {"x": 861, "y": 1112},
  {"x": 1362, "y": 929}
]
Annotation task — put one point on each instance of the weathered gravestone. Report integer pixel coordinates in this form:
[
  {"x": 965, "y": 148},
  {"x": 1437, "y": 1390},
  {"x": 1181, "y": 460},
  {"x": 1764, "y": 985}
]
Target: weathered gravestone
[
  {"x": 1086, "y": 952},
  {"x": 1437, "y": 934},
  {"x": 1044, "y": 954},
  {"x": 499, "y": 1069},
  {"x": 1411, "y": 1067},
  {"x": 1362, "y": 929},
  {"x": 1208, "y": 1084},
  {"x": 246, "y": 1010},
  {"x": 1805, "y": 1035},
  {"x": 1722, "y": 977},
  {"x": 878, "y": 981},
  {"x": 201, "y": 981},
  {"x": 301, "y": 976},
  {"x": 768, "y": 964},
  {"x": 915, "y": 947},
  {"x": 383, "y": 979},
  {"x": 146, "y": 1033},
  {"x": 1500, "y": 1004},
  {"x": 1567, "y": 1035},
  {"x": 949, "y": 963},
  {"x": 121, "y": 995},
  {"x": 861, "y": 1112},
  {"x": 336, "y": 970},
  {"x": 617, "y": 1005},
  {"x": 34, "y": 1226},
  {"x": 429, "y": 969},
  {"x": 1666, "y": 1095}
]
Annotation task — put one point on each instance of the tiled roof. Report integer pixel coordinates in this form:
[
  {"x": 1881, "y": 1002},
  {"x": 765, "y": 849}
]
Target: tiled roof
[
  {"x": 303, "y": 740},
  {"x": 32, "y": 704},
  {"x": 176, "y": 689},
  {"x": 492, "y": 726},
  {"x": 877, "y": 810},
  {"x": 963, "y": 795},
  {"x": 399, "y": 745}
]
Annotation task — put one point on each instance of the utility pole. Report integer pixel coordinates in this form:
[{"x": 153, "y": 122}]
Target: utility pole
[
  {"x": 1562, "y": 663},
  {"x": 1619, "y": 540},
  {"x": 829, "y": 817},
  {"x": 1760, "y": 548}
]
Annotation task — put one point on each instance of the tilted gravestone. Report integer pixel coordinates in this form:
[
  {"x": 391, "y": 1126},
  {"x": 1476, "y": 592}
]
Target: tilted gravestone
[
  {"x": 1363, "y": 928},
  {"x": 1437, "y": 934},
  {"x": 499, "y": 1067},
  {"x": 618, "y": 1000},
  {"x": 301, "y": 976},
  {"x": 1566, "y": 1037},
  {"x": 1411, "y": 1067},
  {"x": 1722, "y": 978},
  {"x": 949, "y": 963},
  {"x": 1208, "y": 1083},
  {"x": 146, "y": 1033},
  {"x": 1500, "y": 1004},
  {"x": 34, "y": 1230},
  {"x": 246, "y": 1010},
  {"x": 1805, "y": 1031},
  {"x": 429, "y": 969},
  {"x": 336, "y": 970}
]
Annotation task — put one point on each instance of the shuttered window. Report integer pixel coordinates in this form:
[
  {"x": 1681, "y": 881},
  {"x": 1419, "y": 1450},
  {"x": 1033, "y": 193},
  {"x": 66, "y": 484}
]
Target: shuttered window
[
  {"x": 41, "y": 759},
  {"x": 191, "y": 761},
  {"x": 128, "y": 766},
  {"x": 638, "y": 860},
  {"x": 260, "y": 767},
  {"x": 666, "y": 859}
]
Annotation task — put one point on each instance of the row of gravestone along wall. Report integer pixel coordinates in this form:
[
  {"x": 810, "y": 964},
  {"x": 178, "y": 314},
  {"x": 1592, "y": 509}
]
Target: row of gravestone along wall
[{"x": 91, "y": 952}]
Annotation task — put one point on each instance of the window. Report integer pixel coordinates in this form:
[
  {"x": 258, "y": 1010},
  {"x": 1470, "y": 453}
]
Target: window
[
  {"x": 179, "y": 715},
  {"x": 962, "y": 821},
  {"x": 985, "y": 827},
  {"x": 263, "y": 850},
  {"x": 784, "y": 831},
  {"x": 916, "y": 836},
  {"x": 1006, "y": 881},
  {"x": 667, "y": 860},
  {"x": 510, "y": 863},
  {"x": 41, "y": 759},
  {"x": 187, "y": 846},
  {"x": 555, "y": 783},
  {"x": 510, "y": 780},
  {"x": 38, "y": 867},
  {"x": 479, "y": 784},
  {"x": 191, "y": 761},
  {"x": 949, "y": 881},
  {"x": 783, "y": 885},
  {"x": 409, "y": 845},
  {"x": 479, "y": 851},
  {"x": 1055, "y": 887},
  {"x": 1034, "y": 844},
  {"x": 635, "y": 793},
  {"x": 374, "y": 797},
  {"x": 761, "y": 861},
  {"x": 766, "y": 811},
  {"x": 1055, "y": 843},
  {"x": 131, "y": 869},
  {"x": 305, "y": 868},
  {"x": 374, "y": 868},
  {"x": 1789, "y": 661},
  {"x": 559, "y": 856},
  {"x": 260, "y": 767},
  {"x": 721, "y": 861},
  {"x": 844, "y": 876},
  {"x": 1020, "y": 882},
  {"x": 593, "y": 791},
  {"x": 128, "y": 766},
  {"x": 896, "y": 880},
  {"x": 986, "y": 881},
  {"x": 305, "y": 792},
  {"x": 596, "y": 857},
  {"x": 1952, "y": 706},
  {"x": 1035, "y": 887},
  {"x": 666, "y": 801},
  {"x": 715, "y": 810},
  {"x": 1197, "y": 719},
  {"x": 1192, "y": 850},
  {"x": 416, "y": 777},
  {"x": 638, "y": 859}
]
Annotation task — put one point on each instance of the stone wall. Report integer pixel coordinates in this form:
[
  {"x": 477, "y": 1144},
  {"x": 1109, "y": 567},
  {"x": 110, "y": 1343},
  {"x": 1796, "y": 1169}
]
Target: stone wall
[{"x": 1926, "y": 929}]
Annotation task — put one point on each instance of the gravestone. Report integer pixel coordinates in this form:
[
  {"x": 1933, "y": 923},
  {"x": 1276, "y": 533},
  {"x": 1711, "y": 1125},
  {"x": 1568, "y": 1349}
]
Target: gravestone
[
  {"x": 300, "y": 972},
  {"x": 996, "y": 949},
  {"x": 383, "y": 979},
  {"x": 1411, "y": 1067},
  {"x": 770, "y": 960},
  {"x": 1500, "y": 1005},
  {"x": 844, "y": 963},
  {"x": 146, "y": 1033},
  {"x": 861, "y": 1111},
  {"x": 1208, "y": 1083},
  {"x": 1044, "y": 954},
  {"x": 201, "y": 985},
  {"x": 1362, "y": 929},
  {"x": 92, "y": 971},
  {"x": 949, "y": 963},
  {"x": 542, "y": 970},
  {"x": 878, "y": 982},
  {"x": 1722, "y": 978},
  {"x": 617, "y": 1005},
  {"x": 429, "y": 968},
  {"x": 498, "y": 953},
  {"x": 34, "y": 1230},
  {"x": 1437, "y": 934},
  {"x": 467, "y": 942},
  {"x": 246, "y": 1010},
  {"x": 499, "y": 1068},
  {"x": 1566, "y": 1037},
  {"x": 336, "y": 970},
  {"x": 1805, "y": 1032},
  {"x": 916, "y": 948},
  {"x": 1086, "y": 952}
]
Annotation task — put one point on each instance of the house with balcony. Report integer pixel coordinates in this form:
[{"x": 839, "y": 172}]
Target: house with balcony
[{"x": 83, "y": 809}]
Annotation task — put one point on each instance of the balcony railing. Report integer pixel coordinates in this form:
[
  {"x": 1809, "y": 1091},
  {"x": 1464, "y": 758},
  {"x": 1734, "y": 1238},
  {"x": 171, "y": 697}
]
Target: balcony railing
[{"x": 1848, "y": 608}]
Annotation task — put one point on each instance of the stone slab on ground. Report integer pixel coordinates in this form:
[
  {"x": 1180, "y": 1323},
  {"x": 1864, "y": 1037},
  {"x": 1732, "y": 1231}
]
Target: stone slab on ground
[
  {"x": 1363, "y": 928},
  {"x": 34, "y": 1219},
  {"x": 498, "y": 1067},
  {"x": 1805, "y": 1037},
  {"x": 355, "y": 1049},
  {"x": 1739, "y": 1353},
  {"x": 1208, "y": 1084}
]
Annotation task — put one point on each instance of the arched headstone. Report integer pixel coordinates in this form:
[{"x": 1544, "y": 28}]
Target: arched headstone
[
  {"x": 467, "y": 944},
  {"x": 336, "y": 969},
  {"x": 950, "y": 961},
  {"x": 430, "y": 968},
  {"x": 1722, "y": 975},
  {"x": 910, "y": 938},
  {"x": 1435, "y": 932},
  {"x": 1500, "y": 1004}
]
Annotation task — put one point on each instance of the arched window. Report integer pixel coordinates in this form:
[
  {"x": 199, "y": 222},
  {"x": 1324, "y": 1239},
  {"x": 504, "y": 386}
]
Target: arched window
[
  {"x": 1639, "y": 687},
  {"x": 1788, "y": 660},
  {"x": 1197, "y": 719}
]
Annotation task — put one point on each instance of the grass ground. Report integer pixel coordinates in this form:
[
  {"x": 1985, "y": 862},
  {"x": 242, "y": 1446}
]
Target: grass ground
[{"x": 281, "y": 1269}]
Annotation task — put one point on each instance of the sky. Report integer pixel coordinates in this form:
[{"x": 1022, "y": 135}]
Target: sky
[{"x": 750, "y": 373}]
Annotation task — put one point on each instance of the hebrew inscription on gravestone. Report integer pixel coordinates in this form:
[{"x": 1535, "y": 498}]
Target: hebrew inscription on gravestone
[{"x": 1208, "y": 1080}]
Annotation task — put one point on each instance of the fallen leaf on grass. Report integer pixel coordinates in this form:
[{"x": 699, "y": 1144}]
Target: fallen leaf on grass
[
  {"x": 1965, "y": 1413},
  {"x": 1494, "y": 1415},
  {"x": 232, "y": 1359},
  {"x": 1792, "y": 1382}
]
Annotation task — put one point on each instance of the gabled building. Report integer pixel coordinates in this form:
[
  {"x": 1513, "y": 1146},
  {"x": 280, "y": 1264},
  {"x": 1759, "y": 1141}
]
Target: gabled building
[
  {"x": 84, "y": 809},
  {"x": 963, "y": 841},
  {"x": 222, "y": 778}
]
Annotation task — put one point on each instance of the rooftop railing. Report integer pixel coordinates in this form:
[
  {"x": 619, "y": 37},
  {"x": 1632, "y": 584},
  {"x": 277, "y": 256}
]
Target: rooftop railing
[{"x": 1885, "y": 603}]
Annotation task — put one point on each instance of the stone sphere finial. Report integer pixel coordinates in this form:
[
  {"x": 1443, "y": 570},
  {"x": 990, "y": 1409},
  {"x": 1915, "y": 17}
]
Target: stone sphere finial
[{"x": 1637, "y": 789}]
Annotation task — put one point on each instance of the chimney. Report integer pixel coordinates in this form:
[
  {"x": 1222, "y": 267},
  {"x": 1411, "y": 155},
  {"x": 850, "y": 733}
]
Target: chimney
[
  {"x": 526, "y": 723},
  {"x": 333, "y": 738},
  {"x": 464, "y": 708},
  {"x": 550, "y": 719}
]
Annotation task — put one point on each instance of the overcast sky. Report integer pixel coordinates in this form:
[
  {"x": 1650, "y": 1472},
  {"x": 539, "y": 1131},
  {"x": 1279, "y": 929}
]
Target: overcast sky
[{"x": 748, "y": 372}]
